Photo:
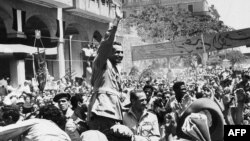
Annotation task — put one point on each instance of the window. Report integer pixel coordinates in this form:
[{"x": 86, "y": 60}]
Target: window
[{"x": 190, "y": 8}]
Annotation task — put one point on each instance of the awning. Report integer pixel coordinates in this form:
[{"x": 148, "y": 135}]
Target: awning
[{"x": 19, "y": 48}]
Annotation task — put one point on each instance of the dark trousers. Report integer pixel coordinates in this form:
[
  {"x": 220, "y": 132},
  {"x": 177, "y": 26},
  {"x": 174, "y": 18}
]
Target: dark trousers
[{"x": 102, "y": 124}]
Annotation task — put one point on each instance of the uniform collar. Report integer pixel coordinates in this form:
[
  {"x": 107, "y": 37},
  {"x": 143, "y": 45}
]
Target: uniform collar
[{"x": 144, "y": 114}]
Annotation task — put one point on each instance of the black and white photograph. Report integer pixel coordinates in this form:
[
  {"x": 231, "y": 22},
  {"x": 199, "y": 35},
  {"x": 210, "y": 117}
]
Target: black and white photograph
[{"x": 124, "y": 70}]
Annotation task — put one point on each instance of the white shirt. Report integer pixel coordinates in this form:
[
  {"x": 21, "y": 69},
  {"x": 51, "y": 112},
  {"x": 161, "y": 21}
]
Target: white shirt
[
  {"x": 146, "y": 126},
  {"x": 37, "y": 130}
]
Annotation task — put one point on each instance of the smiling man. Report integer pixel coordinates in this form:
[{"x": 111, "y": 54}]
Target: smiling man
[
  {"x": 143, "y": 124},
  {"x": 105, "y": 104}
]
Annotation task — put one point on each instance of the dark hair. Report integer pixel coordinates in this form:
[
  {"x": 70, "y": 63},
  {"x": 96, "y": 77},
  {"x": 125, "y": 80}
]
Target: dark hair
[
  {"x": 148, "y": 86},
  {"x": 177, "y": 85},
  {"x": 75, "y": 99},
  {"x": 11, "y": 111},
  {"x": 51, "y": 112},
  {"x": 133, "y": 95},
  {"x": 117, "y": 43},
  {"x": 177, "y": 90}
]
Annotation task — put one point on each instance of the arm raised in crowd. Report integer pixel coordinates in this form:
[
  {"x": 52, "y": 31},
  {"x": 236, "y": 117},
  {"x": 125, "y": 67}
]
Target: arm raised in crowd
[{"x": 106, "y": 44}]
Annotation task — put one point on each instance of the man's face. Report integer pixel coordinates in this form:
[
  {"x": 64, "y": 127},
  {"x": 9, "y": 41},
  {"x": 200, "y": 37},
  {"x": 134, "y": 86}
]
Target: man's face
[
  {"x": 160, "y": 86},
  {"x": 117, "y": 54},
  {"x": 41, "y": 103},
  {"x": 148, "y": 92},
  {"x": 141, "y": 101},
  {"x": 180, "y": 92},
  {"x": 207, "y": 92},
  {"x": 183, "y": 89},
  {"x": 63, "y": 103}
]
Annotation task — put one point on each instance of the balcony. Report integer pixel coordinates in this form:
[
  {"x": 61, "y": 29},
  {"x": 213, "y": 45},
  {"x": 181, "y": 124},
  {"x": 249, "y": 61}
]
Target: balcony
[
  {"x": 140, "y": 3},
  {"x": 52, "y": 3},
  {"x": 153, "y": 2},
  {"x": 98, "y": 10},
  {"x": 202, "y": 13}
]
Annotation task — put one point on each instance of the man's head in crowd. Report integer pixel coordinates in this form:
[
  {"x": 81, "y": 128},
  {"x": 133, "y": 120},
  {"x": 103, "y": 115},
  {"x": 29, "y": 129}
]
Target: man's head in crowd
[
  {"x": 148, "y": 90},
  {"x": 10, "y": 115},
  {"x": 138, "y": 100},
  {"x": 27, "y": 99},
  {"x": 180, "y": 90},
  {"x": 206, "y": 91},
  {"x": 245, "y": 77},
  {"x": 76, "y": 101},
  {"x": 40, "y": 102},
  {"x": 161, "y": 87},
  {"x": 63, "y": 100},
  {"x": 166, "y": 96},
  {"x": 51, "y": 112},
  {"x": 117, "y": 53}
]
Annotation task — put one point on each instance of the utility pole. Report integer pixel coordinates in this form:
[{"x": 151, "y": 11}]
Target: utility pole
[{"x": 60, "y": 55}]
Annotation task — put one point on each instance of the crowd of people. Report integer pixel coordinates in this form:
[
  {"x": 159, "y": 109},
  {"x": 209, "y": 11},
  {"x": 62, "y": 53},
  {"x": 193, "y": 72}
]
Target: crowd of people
[{"x": 193, "y": 105}]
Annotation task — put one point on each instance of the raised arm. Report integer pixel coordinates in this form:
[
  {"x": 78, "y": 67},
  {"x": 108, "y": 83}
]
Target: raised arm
[{"x": 106, "y": 45}]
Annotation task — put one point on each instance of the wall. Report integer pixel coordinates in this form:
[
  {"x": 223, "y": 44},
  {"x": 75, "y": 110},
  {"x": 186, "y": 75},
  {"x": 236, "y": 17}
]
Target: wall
[{"x": 85, "y": 27}]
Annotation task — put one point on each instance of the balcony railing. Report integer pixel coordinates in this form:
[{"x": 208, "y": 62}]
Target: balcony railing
[
  {"x": 100, "y": 10},
  {"x": 207, "y": 13},
  {"x": 53, "y": 3},
  {"x": 162, "y": 2},
  {"x": 142, "y": 3}
]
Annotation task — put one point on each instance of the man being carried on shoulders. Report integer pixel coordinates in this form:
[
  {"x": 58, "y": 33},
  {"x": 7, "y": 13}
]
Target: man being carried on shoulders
[{"x": 105, "y": 104}]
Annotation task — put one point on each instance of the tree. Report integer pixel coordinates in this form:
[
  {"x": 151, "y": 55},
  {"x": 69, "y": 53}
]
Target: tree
[
  {"x": 124, "y": 27},
  {"x": 158, "y": 23},
  {"x": 191, "y": 60},
  {"x": 235, "y": 56}
]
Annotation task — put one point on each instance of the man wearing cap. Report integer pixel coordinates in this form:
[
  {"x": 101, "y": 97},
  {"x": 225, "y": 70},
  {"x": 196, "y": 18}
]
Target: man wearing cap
[
  {"x": 63, "y": 100},
  {"x": 143, "y": 124},
  {"x": 105, "y": 103}
]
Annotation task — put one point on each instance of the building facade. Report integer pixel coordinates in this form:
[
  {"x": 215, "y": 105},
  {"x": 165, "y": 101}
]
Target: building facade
[{"x": 67, "y": 26}]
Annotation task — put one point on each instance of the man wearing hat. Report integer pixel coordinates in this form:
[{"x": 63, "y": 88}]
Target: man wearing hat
[
  {"x": 194, "y": 119},
  {"x": 63, "y": 100}
]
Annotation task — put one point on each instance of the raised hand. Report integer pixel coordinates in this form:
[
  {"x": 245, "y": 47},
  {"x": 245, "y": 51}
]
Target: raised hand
[
  {"x": 118, "y": 13},
  {"x": 121, "y": 130},
  {"x": 240, "y": 95}
]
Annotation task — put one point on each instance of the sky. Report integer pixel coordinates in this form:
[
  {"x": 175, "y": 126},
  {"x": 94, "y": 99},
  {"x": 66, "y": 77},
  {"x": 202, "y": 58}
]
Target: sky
[{"x": 234, "y": 13}]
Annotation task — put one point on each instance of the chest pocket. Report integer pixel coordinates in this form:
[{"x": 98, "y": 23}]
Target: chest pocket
[
  {"x": 147, "y": 129},
  {"x": 115, "y": 77}
]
